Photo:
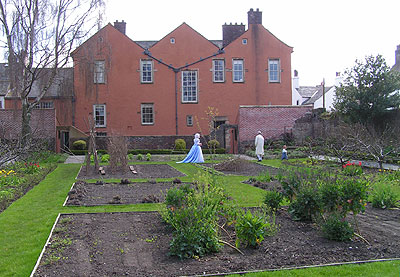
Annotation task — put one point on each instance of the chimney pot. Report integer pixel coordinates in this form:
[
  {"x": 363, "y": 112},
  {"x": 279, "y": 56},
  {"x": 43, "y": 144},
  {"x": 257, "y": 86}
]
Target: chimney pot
[
  {"x": 120, "y": 26},
  {"x": 254, "y": 17}
]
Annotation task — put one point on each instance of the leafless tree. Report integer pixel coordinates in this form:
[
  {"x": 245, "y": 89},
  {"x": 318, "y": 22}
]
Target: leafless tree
[
  {"x": 377, "y": 144},
  {"x": 39, "y": 36}
]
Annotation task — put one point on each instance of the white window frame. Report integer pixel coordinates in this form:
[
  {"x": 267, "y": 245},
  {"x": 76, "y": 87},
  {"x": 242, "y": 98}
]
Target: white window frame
[
  {"x": 244, "y": 41},
  {"x": 189, "y": 86},
  {"x": 45, "y": 105},
  {"x": 103, "y": 106},
  {"x": 189, "y": 120},
  {"x": 235, "y": 70},
  {"x": 274, "y": 70},
  {"x": 218, "y": 68},
  {"x": 2, "y": 103},
  {"x": 144, "y": 71},
  {"x": 99, "y": 72},
  {"x": 143, "y": 113}
]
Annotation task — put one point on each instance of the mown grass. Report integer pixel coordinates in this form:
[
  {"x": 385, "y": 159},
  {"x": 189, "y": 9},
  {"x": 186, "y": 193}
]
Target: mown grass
[{"x": 26, "y": 224}]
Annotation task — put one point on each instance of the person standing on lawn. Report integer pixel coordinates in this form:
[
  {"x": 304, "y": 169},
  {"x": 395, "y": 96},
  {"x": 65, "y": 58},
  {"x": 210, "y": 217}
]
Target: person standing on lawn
[
  {"x": 195, "y": 154},
  {"x": 284, "y": 153},
  {"x": 259, "y": 143}
]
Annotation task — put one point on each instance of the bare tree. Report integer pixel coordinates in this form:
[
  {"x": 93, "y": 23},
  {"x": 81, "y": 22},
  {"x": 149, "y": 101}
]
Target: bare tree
[{"x": 39, "y": 37}]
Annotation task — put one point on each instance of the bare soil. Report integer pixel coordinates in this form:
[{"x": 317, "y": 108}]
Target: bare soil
[
  {"x": 136, "y": 244},
  {"x": 90, "y": 194},
  {"x": 243, "y": 168},
  {"x": 144, "y": 171}
]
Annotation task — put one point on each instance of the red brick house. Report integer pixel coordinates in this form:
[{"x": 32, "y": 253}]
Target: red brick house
[{"x": 163, "y": 88}]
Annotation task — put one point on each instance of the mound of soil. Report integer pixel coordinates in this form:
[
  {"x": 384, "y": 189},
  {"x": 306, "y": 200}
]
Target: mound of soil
[
  {"x": 89, "y": 194},
  {"x": 273, "y": 185},
  {"x": 243, "y": 168},
  {"x": 136, "y": 244},
  {"x": 144, "y": 171}
]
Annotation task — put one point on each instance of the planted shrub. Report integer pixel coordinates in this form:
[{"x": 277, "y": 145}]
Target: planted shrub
[
  {"x": 352, "y": 169},
  {"x": 139, "y": 157},
  {"x": 148, "y": 157},
  {"x": 251, "y": 228},
  {"x": 273, "y": 200},
  {"x": 105, "y": 158},
  {"x": 330, "y": 194},
  {"x": 306, "y": 205},
  {"x": 213, "y": 144},
  {"x": 180, "y": 144},
  {"x": 336, "y": 228},
  {"x": 130, "y": 157},
  {"x": 79, "y": 145},
  {"x": 264, "y": 177},
  {"x": 383, "y": 196}
]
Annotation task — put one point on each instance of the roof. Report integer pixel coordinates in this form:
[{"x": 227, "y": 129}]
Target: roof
[
  {"x": 63, "y": 84},
  {"x": 307, "y": 91},
  {"x": 317, "y": 95},
  {"x": 146, "y": 44}
]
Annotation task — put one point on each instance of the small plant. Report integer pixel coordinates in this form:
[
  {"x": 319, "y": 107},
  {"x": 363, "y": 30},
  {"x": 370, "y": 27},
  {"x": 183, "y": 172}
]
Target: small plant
[
  {"x": 251, "y": 229},
  {"x": 139, "y": 157},
  {"x": 180, "y": 144},
  {"x": 105, "y": 158},
  {"x": 273, "y": 200},
  {"x": 383, "y": 196},
  {"x": 336, "y": 228},
  {"x": 79, "y": 145},
  {"x": 213, "y": 144},
  {"x": 330, "y": 196},
  {"x": 130, "y": 157},
  {"x": 352, "y": 169},
  {"x": 264, "y": 177},
  {"x": 148, "y": 157}
]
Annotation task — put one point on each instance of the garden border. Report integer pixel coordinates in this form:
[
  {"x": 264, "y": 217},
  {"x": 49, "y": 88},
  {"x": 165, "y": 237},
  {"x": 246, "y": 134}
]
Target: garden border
[{"x": 66, "y": 199}]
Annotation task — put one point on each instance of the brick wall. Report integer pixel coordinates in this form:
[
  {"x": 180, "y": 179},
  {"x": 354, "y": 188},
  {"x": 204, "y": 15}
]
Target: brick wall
[
  {"x": 272, "y": 121},
  {"x": 43, "y": 124}
]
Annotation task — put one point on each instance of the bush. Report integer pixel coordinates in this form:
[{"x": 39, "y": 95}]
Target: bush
[
  {"x": 354, "y": 195},
  {"x": 330, "y": 196},
  {"x": 148, "y": 157},
  {"x": 180, "y": 144},
  {"x": 105, "y": 158},
  {"x": 139, "y": 157},
  {"x": 336, "y": 228},
  {"x": 273, "y": 200},
  {"x": 383, "y": 196},
  {"x": 351, "y": 169},
  {"x": 213, "y": 144},
  {"x": 79, "y": 145},
  {"x": 251, "y": 228},
  {"x": 130, "y": 157},
  {"x": 264, "y": 177},
  {"x": 306, "y": 205}
]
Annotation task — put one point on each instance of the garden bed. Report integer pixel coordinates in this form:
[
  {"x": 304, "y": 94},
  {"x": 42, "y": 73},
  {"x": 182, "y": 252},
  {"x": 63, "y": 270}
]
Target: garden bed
[
  {"x": 242, "y": 168},
  {"x": 120, "y": 244},
  {"x": 144, "y": 171},
  {"x": 90, "y": 194}
]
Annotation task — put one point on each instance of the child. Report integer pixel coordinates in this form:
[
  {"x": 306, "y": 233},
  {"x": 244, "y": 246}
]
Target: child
[{"x": 284, "y": 153}]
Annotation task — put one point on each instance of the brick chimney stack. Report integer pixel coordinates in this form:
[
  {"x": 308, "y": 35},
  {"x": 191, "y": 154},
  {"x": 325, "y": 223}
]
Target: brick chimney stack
[
  {"x": 254, "y": 17},
  {"x": 231, "y": 32},
  {"x": 120, "y": 26},
  {"x": 397, "y": 58}
]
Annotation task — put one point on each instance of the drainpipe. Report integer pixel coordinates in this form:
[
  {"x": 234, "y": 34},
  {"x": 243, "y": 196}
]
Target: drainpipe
[{"x": 176, "y": 100}]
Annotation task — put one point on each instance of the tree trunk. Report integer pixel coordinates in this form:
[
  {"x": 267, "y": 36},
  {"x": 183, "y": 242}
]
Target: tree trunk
[{"x": 26, "y": 132}]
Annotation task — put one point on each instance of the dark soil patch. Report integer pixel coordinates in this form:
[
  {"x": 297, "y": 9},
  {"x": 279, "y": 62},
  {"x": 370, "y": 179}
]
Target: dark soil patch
[
  {"x": 89, "y": 194},
  {"x": 136, "y": 244},
  {"x": 144, "y": 171},
  {"x": 273, "y": 185},
  {"x": 243, "y": 168}
]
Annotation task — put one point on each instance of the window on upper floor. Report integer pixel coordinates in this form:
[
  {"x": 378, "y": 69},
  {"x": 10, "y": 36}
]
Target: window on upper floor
[
  {"x": 237, "y": 71},
  {"x": 274, "y": 71},
  {"x": 44, "y": 105},
  {"x": 189, "y": 86},
  {"x": 146, "y": 71},
  {"x": 99, "y": 72},
  {"x": 99, "y": 115},
  {"x": 147, "y": 113},
  {"x": 244, "y": 41},
  {"x": 189, "y": 120},
  {"x": 2, "y": 106},
  {"x": 218, "y": 71}
]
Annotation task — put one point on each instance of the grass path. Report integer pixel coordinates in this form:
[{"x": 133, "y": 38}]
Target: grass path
[{"x": 26, "y": 224}]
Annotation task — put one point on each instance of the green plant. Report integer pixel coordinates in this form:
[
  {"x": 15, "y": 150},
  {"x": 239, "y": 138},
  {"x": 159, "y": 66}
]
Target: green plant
[
  {"x": 139, "y": 157},
  {"x": 305, "y": 205},
  {"x": 79, "y": 145},
  {"x": 213, "y": 144},
  {"x": 180, "y": 144},
  {"x": 330, "y": 194},
  {"x": 352, "y": 169},
  {"x": 273, "y": 200},
  {"x": 148, "y": 157},
  {"x": 337, "y": 228},
  {"x": 264, "y": 177},
  {"x": 383, "y": 196},
  {"x": 130, "y": 157},
  {"x": 252, "y": 227},
  {"x": 105, "y": 158}
]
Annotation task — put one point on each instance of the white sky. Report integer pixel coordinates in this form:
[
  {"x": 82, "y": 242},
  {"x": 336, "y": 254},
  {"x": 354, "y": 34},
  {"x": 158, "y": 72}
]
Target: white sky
[{"x": 327, "y": 35}]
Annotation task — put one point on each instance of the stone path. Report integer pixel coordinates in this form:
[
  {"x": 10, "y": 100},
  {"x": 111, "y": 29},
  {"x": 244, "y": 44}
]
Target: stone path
[
  {"x": 364, "y": 163},
  {"x": 75, "y": 160}
]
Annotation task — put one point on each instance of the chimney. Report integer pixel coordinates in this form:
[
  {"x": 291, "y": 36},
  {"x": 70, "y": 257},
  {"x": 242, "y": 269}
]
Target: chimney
[
  {"x": 120, "y": 26},
  {"x": 254, "y": 17},
  {"x": 397, "y": 58},
  {"x": 338, "y": 79},
  {"x": 231, "y": 32},
  {"x": 295, "y": 80}
]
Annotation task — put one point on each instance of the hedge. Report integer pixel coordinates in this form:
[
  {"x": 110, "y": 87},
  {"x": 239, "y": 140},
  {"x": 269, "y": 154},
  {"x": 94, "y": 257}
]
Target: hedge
[{"x": 152, "y": 151}]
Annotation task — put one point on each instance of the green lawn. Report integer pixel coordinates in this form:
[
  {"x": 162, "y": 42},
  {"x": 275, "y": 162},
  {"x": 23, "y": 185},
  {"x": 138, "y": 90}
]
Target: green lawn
[{"x": 26, "y": 224}]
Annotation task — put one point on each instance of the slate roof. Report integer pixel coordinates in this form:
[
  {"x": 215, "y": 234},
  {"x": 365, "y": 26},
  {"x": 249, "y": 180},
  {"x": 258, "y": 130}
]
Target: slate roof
[
  {"x": 317, "y": 95},
  {"x": 146, "y": 44},
  {"x": 306, "y": 91},
  {"x": 63, "y": 85}
]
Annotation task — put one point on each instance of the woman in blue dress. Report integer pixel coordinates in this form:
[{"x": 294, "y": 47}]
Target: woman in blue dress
[{"x": 195, "y": 154}]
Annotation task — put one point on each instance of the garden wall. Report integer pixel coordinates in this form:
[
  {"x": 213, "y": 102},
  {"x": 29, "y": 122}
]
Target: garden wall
[
  {"x": 272, "y": 121},
  {"x": 43, "y": 124}
]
